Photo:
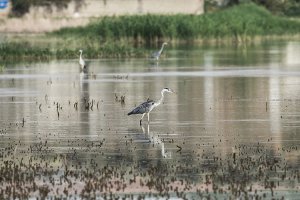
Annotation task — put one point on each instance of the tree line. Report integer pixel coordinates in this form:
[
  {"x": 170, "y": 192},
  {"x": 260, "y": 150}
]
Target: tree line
[
  {"x": 279, "y": 7},
  {"x": 21, "y": 7}
]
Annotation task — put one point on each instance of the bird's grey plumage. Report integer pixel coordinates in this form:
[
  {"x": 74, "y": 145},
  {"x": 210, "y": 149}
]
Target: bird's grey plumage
[
  {"x": 147, "y": 107},
  {"x": 155, "y": 55},
  {"x": 143, "y": 108}
]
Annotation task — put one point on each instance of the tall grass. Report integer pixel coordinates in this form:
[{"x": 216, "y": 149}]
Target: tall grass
[
  {"x": 24, "y": 51},
  {"x": 114, "y": 36},
  {"x": 243, "y": 21}
]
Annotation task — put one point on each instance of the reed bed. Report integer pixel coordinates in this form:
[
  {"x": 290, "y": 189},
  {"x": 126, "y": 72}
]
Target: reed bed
[
  {"x": 239, "y": 23},
  {"x": 24, "y": 51},
  {"x": 128, "y": 36}
]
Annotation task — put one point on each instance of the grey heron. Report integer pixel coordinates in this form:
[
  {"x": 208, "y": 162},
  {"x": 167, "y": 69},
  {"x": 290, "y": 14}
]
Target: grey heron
[
  {"x": 157, "y": 54},
  {"x": 82, "y": 62},
  {"x": 147, "y": 107}
]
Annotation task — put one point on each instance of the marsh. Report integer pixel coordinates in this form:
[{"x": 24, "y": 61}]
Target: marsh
[{"x": 230, "y": 131}]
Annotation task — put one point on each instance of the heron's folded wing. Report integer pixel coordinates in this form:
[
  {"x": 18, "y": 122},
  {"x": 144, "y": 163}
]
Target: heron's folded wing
[
  {"x": 154, "y": 54},
  {"x": 142, "y": 108}
]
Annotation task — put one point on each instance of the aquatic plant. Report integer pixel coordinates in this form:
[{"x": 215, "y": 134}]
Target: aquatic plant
[
  {"x": 1, "y": 67},
  {"x": 119, "y": 36},
  {"x": 24, "y": 51},
  {"x": 238, "y": 22}
]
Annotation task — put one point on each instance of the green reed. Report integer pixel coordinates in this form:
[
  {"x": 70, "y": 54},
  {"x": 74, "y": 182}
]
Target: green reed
[
  {"x": 239, "y": 22},
  {"x": 24, "y": 51},
  {"x": 119, "y": 36}
]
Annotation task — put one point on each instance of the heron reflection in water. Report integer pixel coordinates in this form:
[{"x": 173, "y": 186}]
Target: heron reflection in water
[
  {"x": 155, "y": 139},
  {"x": 147, "y": 107}
]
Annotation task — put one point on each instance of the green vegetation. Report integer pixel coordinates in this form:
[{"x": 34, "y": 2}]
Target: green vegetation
[
  {"x": 1, "y": 67},
  {"x": 117, "y": 36},
  {"x": 278, "y": 7},
  {"x": 11, "y": 51},
  {"x": 24, "y": 51},
  {"x": 21, "y": 7},
  {"x": 238, "y": 22},
  {"x": 286, "y": 7}
]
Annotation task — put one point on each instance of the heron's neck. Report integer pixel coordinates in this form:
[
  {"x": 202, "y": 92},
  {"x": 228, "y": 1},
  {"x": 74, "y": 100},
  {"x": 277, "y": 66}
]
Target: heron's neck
[
  {"x": 80, "y": 56},
  {"x": 161, "y": 49},
  {"x": 161, "y": 99}
]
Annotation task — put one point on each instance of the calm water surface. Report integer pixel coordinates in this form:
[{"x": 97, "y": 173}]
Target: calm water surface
[{"x": 231, "y": 130}]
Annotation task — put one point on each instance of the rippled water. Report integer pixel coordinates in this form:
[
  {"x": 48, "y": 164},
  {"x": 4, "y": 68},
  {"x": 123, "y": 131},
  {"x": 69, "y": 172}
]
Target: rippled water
[{"x": 233, "y": 123}]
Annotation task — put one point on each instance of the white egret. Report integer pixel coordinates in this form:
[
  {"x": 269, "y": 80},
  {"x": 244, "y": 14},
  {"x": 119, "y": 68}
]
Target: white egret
[{"x": 82, "y": 63}]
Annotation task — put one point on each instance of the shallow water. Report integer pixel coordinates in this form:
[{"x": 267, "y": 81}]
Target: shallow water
[{"x": 231, "y": 128}]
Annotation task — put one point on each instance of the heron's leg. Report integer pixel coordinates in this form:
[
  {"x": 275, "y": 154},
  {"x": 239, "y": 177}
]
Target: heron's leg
[
  {"x": 141, "y": 119},
  {"x": 143, "y": 129},
  {"x": 148, "y": 114}
]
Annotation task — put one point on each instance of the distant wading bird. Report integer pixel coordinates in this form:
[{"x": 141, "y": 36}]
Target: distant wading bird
[
  {"x": 147, "y": 107},
  {"x": 157, "y": 54},
  {"x": 82, "y": 63}
]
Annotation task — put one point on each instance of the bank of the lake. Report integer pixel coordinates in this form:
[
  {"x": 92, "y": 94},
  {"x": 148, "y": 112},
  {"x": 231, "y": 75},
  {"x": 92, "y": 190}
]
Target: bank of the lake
[
  {"x": 129, "y": 36},
  {"x": 238, "y": 23}
]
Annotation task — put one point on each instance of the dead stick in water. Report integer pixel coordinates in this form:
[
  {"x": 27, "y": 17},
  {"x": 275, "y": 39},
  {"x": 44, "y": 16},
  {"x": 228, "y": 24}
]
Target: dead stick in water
[{"x": 179, "y": 148}]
